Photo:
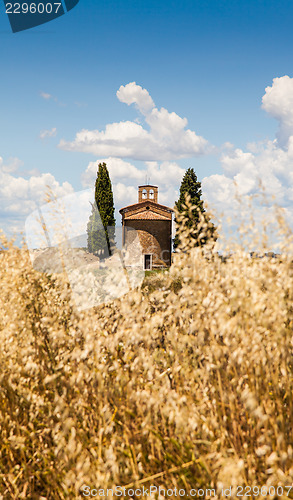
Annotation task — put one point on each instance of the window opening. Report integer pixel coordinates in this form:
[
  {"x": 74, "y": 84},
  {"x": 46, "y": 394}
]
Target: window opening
[{"x": 147, "y": 262}]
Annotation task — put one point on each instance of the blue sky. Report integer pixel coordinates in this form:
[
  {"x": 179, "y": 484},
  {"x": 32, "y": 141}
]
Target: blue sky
[{"x": 207, "y": 61}]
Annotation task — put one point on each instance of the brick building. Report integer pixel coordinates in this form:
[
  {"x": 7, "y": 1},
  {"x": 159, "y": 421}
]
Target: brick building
[{"x": 153, "y": 227}]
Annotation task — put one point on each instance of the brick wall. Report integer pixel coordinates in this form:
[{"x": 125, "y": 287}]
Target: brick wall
[{"x": 155, "y": 239}]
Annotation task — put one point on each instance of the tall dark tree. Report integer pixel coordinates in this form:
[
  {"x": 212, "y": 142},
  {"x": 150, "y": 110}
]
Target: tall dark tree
[
  {"x": 191, "y": 187},
  {"x": 101, "y": 225}
]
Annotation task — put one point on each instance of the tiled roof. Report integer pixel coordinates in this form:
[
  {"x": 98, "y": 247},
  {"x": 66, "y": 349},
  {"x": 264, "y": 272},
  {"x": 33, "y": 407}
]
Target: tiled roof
[
  {"x": 145, "y": 202},
  {"x": 146, "y": 215}
]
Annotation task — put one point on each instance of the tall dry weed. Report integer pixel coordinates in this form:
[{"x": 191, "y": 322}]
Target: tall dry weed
[{"x": 188, "y": 385}]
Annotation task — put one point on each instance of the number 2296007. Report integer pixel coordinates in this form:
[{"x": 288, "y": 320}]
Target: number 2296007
[
  {"x": 253, "y": 491},
  {"x": 33, "y": 8}
]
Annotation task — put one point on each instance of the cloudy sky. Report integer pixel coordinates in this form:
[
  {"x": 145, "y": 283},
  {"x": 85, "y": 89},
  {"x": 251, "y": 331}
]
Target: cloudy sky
[{"x": 151, "y": 88}]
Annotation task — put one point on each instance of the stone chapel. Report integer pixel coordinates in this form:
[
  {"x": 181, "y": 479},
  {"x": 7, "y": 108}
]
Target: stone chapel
[{"x": 153, "y": 225}]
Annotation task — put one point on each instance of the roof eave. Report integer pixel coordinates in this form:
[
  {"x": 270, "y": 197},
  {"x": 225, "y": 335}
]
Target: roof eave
[{"x": 146, "y": 202}]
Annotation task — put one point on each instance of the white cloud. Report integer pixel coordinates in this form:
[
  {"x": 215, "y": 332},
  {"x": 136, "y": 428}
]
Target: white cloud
[
  {"x": 20, "y": 196},
  {"x": 14, "y": 165},
  {"x": 164, "y": 174},
  {"x": 126, "y": 178},
  {"x": 124, "y": 195},
  {"x": 11, "y": 166},
  {"x": 135, "y": 94},
  {"x": 278, "y": 102},
  {"x": 269, "y": 163},
  {"x": 45, "y": 95},
  {"x": 44, "y": 134},
  {"x": 118, "y": 169},
  {"x": 269, "y": 170},
  {"x": 166, "y": 137}
]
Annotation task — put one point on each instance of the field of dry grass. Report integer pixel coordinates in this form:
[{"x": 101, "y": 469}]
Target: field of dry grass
[{"x": 184, "y": 383}]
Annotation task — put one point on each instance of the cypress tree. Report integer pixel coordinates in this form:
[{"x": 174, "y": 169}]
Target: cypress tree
[
  {"x": 101, "y": 225},
  {"x": 191, "y": 187}
]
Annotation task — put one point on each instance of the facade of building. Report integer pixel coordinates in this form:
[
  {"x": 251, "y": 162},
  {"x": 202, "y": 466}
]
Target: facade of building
[{"x": 152, "y": 223}]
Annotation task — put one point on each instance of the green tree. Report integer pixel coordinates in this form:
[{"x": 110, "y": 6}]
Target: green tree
[
  {"x": 101, "y": 225},
  {"x": 190, "y": 193}
]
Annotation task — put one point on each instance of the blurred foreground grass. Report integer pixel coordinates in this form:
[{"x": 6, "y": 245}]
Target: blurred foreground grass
[{"x": 185, "y": 383}]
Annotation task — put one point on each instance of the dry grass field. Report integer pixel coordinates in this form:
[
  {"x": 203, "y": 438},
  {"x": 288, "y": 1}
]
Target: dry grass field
[{"x": 185, "y": 383}]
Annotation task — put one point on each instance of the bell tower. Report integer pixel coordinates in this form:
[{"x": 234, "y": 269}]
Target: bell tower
[{"x": 148, "y": 193}]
